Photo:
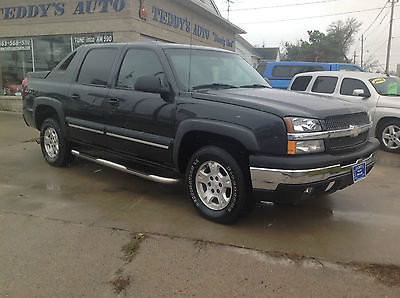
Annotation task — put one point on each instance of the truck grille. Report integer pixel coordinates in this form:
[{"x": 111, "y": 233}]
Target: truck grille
[{"x": 343, "y": 122}]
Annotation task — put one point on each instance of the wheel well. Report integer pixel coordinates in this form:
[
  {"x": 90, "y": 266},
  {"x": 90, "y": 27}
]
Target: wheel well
[
  {"x": 42, "y": 113},
  {"x": 193, "y": 141},
  {"x": 382, "y": 121}
]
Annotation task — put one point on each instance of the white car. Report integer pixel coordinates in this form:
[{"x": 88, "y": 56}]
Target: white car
[{"x": 379, "y": 93}]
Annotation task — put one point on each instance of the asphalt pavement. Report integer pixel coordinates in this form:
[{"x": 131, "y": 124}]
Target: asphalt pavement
[{"x": 62, "y": 230}]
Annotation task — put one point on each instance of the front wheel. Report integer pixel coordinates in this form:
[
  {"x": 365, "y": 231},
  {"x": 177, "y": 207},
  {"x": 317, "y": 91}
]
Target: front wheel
[
  {"x": 216, "y": 184},
  {"x": 55, "y": 148},
  {"x": 389, "y": 135}
]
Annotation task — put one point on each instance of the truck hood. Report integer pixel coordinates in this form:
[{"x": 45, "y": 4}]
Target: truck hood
[{"x": 282, "y": 102}]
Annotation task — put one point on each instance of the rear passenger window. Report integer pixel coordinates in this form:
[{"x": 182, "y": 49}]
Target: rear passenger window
[
  {"x": 139, "y": 62},
  {"x": 324, "y": 85},
  {"x": 349, "y": 85},
  {"x": 97, "y": 67},
  {"x": 289, "y": 71},
  {"x": 301, "y": 83}
]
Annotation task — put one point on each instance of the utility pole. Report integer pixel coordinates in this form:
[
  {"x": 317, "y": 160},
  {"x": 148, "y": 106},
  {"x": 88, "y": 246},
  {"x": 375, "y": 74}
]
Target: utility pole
[
  {"x": 229, "y": 6},
  {"x": 362, "y": 50},
  {"x": 354, "y": 57},
  {"x": 390, "y": 36}
]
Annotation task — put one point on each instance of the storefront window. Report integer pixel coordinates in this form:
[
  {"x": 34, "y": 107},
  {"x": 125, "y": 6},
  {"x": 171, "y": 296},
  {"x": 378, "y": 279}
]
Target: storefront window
[
  {"x": 16, "y": 55},
  {"x": 15, "y": 62},
  {"x": 50, "y": 50}
]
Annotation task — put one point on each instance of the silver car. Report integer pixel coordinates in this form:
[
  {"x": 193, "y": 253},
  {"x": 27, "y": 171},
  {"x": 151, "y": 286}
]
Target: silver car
[{"x": 379, "y": 93}]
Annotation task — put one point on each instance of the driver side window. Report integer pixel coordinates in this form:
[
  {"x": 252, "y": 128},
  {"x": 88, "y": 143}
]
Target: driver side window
[
  {"x": 137, "y": 63},
  {"x": 349, "y": 85}
]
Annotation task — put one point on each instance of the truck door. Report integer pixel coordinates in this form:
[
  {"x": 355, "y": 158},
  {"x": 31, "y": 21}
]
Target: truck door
[
  {"x": 140, "y": 123},
  {"x": 88, "y": 95}
]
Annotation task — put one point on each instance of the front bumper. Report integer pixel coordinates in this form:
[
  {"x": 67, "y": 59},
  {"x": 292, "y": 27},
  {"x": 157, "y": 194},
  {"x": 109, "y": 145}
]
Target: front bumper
[{"x": 270, "y": 179}]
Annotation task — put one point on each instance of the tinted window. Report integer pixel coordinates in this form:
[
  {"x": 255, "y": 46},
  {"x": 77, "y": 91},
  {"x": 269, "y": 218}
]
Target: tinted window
[
  {"x": 301, "y": 83},
  {"x": 288, "y": 71},
  {"x": 139, "y": 62},
  {"x": 349, "y": 85},
  {"x": 324, "y": 85},
  {"x": 97, "y": 67},
  {"x": 348, "y": 68}
]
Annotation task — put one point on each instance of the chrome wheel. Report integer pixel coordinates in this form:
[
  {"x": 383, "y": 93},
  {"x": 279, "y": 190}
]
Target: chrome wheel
[
  {"x": 391, "y": 137},
  {"x": 51, "y": 142},
  {"x": 213, "y": 185}
]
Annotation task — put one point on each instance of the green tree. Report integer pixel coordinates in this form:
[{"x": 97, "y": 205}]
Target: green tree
[{"x": 331, "y": 46}]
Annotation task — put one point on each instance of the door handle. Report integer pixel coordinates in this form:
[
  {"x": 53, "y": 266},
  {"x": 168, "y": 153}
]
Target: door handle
[
  {"x": 113, "y": 101},
  {"x": 75, "y": 96}
]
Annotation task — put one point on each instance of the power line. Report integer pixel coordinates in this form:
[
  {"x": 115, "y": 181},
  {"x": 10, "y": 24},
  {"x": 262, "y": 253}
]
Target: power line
[
  {"x": 370, "y": 25},
  {"x": 284, "y": 5},
  {"x": 311, "y": 17}
]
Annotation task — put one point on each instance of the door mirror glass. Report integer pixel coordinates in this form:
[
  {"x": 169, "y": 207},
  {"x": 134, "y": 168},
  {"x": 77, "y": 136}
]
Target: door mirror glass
[{"x": 150, "y": 84}]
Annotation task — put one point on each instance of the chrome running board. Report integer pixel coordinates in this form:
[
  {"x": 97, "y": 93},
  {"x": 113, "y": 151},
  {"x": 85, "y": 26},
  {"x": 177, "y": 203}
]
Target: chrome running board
[{"x": 122, "y": 168}]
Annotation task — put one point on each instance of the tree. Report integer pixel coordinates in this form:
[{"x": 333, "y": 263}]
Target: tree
[{"x": 331, "y": 46}]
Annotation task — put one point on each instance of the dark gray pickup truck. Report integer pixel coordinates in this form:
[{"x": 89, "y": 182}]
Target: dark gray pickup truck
[{"x": 174, "y": 112}]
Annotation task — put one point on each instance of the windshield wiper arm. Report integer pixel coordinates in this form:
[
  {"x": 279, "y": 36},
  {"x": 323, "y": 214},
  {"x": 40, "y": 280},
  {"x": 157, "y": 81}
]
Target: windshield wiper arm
[
  {"x": 254, "y": 86},
  {"x": 213, "y": 86}
]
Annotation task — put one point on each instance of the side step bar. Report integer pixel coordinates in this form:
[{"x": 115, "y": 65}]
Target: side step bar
[{"x": 122, "y": 168}]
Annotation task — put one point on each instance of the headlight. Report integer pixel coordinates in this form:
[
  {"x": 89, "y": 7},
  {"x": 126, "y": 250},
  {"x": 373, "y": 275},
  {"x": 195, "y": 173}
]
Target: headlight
[
  {"x": 304, "y": 125},
  {"x": 296, "y": 124},
  {"x": 304, "y": 147}
]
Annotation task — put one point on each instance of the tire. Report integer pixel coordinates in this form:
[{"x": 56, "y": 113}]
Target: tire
[
  {"x": 214, "y": 175},
  {"x": 55, "y": 148},
  {"x": 388, "y": 134}
]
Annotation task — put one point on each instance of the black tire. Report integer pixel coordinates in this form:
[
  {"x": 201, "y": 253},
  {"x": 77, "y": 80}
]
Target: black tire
[
  {"x": 57, "y": 156},
  {"x": 230, "y": 170},
  {"x": 384, "y": 128}
]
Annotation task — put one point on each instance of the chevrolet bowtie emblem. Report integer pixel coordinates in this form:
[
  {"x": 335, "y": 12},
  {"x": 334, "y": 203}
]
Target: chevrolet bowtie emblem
[{"x": 355, "y": 130}]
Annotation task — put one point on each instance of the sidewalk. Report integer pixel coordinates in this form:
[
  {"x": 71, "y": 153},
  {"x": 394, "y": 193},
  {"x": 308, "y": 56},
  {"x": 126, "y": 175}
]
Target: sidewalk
[{"x": 52, "y": 258}]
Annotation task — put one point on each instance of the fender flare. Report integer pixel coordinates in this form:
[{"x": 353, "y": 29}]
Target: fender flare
[
  {"x": 239, "y": 133},
  {"x": 53, "y": 103}
]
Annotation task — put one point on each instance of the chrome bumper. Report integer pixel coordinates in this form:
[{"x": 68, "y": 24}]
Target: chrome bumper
[{"x": 269, "y": 179}]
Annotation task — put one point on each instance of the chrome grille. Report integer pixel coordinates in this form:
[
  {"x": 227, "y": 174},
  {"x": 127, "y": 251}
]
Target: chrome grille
[{"x": 343, "y": 122}]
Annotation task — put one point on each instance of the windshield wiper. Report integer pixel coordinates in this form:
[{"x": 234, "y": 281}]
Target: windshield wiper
[
  {"x": 254, "y": 86},
  {"x": 213, "y": 86},
  {"x": 390, "y": 94}
]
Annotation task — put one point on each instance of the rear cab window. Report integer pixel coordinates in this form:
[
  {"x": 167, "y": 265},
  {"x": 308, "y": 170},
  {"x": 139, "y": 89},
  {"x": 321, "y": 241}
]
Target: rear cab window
[
  {"x": 325, "y": 84},
  {"x": 301, "y": 83},
  {"x": 97, "y": 67}
]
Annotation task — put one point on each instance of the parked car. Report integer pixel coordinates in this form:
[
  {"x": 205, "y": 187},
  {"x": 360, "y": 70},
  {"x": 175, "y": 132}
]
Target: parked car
[
  {"x": 379, "y": 93},
  {"x": 168, "y": 112},
  {"x": 279, "y": 74}
]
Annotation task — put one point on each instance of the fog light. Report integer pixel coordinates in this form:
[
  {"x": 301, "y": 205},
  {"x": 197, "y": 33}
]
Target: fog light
[{"x": 308, "y": 190}]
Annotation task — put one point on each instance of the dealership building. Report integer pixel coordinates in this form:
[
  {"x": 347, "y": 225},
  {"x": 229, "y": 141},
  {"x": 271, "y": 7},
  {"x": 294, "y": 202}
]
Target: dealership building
[{"x": 35, "y": 35}]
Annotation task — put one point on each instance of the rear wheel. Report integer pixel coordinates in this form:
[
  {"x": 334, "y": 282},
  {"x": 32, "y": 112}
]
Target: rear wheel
[
  {"x": 216, "y": 184},
  {"x": 55, "y": 148},
  {"x": 389, "y": 135}
]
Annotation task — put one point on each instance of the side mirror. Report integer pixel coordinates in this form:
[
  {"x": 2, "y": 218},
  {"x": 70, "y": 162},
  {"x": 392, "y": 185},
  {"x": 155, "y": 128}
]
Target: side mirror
[
  {"x": 150, "y": 84},
  {"x": 360, "y": 93}
]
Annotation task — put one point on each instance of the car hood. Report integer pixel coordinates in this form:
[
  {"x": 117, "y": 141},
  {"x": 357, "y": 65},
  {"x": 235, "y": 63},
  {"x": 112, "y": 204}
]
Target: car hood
[
  {"x": 282, "y": 102},
  {"x": 389, "y": 101}
]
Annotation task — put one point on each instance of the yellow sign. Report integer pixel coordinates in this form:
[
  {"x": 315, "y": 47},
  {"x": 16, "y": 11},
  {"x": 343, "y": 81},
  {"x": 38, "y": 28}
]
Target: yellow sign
[{"x": 379, "y": 81}]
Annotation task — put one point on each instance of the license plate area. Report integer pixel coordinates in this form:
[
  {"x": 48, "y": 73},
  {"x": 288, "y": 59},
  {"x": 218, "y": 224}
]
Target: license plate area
[{"x": 359, "y": 172}]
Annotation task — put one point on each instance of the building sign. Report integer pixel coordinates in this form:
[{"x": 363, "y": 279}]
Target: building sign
[
  {"x": 183, "y": 24},
  {"x": 82, "y": 39},
  {"x": 15, "y": 44},
  {"x": 57, "y": 9}
]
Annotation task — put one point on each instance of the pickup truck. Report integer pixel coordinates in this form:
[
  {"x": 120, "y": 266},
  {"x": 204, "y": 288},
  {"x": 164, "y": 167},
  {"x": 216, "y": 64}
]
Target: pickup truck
[{"x": 168, "y": 112}]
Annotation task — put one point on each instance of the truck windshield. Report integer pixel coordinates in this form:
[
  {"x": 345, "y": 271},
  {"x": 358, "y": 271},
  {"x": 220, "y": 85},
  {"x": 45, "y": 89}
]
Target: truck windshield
[
  {"x": 387, "y": 86},
  {"x": 213, "y": 70}
]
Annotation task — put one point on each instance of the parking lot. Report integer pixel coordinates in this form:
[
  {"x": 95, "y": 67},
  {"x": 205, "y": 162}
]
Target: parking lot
[{"x": 357, "y": 225}]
